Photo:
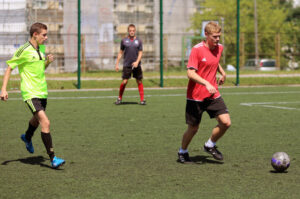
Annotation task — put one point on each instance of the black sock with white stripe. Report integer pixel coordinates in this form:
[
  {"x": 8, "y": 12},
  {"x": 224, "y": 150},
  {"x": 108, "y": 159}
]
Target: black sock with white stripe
[{"x": 47, "y": 139}]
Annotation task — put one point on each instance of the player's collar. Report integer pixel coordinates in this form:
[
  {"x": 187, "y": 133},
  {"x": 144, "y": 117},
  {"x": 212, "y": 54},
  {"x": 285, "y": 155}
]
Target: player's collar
[
  {"x": 34, "y": 47},
  {"x": 134, "y": 38}
]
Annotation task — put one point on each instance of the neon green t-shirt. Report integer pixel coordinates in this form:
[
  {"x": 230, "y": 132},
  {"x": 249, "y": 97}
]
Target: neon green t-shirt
[{"x": 31, "y": 64}]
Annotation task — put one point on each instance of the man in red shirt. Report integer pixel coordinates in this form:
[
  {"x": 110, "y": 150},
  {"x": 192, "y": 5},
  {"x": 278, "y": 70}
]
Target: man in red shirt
[
  {"x": 132, "y": 48},
  {"x": 203, "y": 94}
]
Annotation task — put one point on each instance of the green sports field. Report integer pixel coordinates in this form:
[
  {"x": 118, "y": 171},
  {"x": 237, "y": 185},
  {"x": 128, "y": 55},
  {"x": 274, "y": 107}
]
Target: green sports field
[{"x": 130, "y": 151}]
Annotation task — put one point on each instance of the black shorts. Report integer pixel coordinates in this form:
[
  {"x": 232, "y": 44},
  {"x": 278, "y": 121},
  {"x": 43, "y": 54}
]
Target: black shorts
[
  {"x": 195, "y": 109},
  {"x": 36, "y": 104},
  {"x": 137, "y": 72}
]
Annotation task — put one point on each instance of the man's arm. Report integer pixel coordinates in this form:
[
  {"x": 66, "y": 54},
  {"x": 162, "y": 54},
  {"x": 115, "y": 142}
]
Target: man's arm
[
  {"x": 4, "y": 94},
  {"x": 49, "y": 60},
  {"x": 118, "y": 59},
  {"x": 223, "y": 75},
  {"x": 191, "y": 73},
  {"x": 136, "y": 63}
]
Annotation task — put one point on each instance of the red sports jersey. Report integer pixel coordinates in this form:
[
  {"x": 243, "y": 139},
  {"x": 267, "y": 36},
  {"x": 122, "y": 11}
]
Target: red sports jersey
[{"x": 206, "y": 63}]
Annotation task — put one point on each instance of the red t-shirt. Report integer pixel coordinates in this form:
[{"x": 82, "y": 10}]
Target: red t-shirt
[{"x": 206, "y": 63}]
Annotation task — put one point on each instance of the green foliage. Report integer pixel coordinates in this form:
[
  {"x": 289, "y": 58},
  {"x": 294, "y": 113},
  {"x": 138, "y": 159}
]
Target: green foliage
[
  {"x": 293, "y": 24},
  {"x": 272, "y": 15}
]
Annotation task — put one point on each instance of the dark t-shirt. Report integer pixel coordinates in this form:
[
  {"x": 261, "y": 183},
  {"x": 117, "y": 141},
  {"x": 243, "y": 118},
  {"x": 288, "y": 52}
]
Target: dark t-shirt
[{"x": 131, "y": 50}]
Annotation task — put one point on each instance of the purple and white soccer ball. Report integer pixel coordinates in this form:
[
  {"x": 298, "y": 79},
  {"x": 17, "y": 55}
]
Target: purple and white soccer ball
[{"x": 280, "y": 161}]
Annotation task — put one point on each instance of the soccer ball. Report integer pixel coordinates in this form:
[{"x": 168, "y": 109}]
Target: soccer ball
[{"x": 280, "y": 161}]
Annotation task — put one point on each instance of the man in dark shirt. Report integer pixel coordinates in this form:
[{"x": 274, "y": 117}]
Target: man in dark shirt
[{"x": 132, "y": 48}]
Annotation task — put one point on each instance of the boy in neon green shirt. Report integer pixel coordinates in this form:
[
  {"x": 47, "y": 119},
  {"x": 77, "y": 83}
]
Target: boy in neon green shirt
[{"x": 32, "y": 63}]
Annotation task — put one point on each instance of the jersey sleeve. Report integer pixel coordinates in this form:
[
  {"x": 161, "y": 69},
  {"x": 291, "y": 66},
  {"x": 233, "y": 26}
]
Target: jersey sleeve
[
  {"x": 122, "y": 46},
  {"x": 18, "y": 59},
  {"x": 193, "y": 60}
]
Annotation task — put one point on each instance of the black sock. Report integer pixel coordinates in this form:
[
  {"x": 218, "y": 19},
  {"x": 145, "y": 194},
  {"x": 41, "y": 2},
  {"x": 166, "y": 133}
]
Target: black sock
[
  {"x": 30, "y": 131},
  {"x": 46, "y": 137}
]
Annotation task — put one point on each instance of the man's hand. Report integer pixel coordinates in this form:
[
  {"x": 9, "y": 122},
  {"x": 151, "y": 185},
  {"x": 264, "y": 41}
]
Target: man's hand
[
  {"x": 4, "y": 95},
  {"x": 50, "y": 58},
  {"x": 117, "y": 67},
  {"x": 135, "y": 64},
  {"x": 212, "y": 90},
  {"x": 222, "y": 80}
]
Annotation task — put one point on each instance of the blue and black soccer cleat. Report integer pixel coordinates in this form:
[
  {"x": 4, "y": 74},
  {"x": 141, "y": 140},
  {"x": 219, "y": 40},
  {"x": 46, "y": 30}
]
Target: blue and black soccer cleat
[
  {"x": 57, "y": 162},
  {"x": 29, "y": 146}
]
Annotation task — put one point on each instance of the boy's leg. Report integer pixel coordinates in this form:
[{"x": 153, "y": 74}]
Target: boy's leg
[
  {"x": 141, "y": 90},
  {"x": 126, "y": 75},
  {"x": 188, "y": 136},
  {"x": 47, "y": 139},
  {"x": 224, "y": 123},
  {"x": 45, "y": 132},
  {"x": 32, "y": 126},
  {"x": 122, "y": 88},
  {"x": 183, "y": 155},
  {"x": 34, "y": 105}
]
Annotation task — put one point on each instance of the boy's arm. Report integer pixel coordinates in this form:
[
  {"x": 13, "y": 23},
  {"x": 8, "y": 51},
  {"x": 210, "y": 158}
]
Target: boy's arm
[
  {"x": 136, "y": 63},
  {"x": 191, "y": 73},
  {"x": 118, "y": 59},
  {"x": 223, "y": 77},
  {"x": 4, "y": 94},
  {"x": 49, "y": 60}
]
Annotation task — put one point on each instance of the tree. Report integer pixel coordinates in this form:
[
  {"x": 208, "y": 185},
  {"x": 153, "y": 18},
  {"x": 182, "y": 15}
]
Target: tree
[
  {"x": 272, "y": 15},
  {"x": 293, "y": 24}
]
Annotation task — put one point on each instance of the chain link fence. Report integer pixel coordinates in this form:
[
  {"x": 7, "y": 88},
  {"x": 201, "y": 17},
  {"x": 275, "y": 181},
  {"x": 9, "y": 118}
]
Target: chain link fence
[{"x": 104, "y": 24}]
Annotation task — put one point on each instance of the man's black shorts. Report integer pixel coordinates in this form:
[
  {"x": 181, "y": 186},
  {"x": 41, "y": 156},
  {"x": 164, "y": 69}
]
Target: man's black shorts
[
  {"x": 36, "y": 104},
  {"x": 195, "y": 109},
  {"x": 137, "y": 72}
]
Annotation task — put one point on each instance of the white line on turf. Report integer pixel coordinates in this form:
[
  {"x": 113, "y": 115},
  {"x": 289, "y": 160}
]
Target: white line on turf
[
  {"x": 271, "y": 105},
  {"x": 106, "y": 97},
  {"x": 168, "y": 95}
]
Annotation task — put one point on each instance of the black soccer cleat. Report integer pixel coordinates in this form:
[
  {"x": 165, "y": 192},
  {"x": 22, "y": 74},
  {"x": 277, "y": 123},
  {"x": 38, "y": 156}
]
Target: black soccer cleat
[
  {"x": 143, "y": 102},
  {"x": 214, "y": 152},
  {"x": 184, "y": 158},
  {"x": 118, "y": 102}
]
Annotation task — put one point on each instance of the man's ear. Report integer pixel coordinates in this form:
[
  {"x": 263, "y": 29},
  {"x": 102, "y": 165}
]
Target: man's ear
[{"x": 35, "y": 34}]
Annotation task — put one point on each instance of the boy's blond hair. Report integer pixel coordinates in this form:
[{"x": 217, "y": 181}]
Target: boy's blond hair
[{"x": 212, "y": 27}]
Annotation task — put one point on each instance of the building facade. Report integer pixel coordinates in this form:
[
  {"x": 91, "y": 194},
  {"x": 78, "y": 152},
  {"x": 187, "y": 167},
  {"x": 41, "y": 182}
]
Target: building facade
[{"x": 103, "y": 25}]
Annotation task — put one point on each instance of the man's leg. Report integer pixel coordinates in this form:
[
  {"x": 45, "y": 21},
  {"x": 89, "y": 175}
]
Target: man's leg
[
  {"x": 188, "y": 136},
  {"x": 45, "y": 132},
  {"x": 224, "y": 123},
  {"x": 138, "y": 75},
  {"x": 33, "y": 125},
  {"x": 47, "y": 139},
  {"x": 122, "y": 88},
  {"x": 141, "y": 91},
  {"x": 121, "y": 91},
  {"x": 183, "y": 155},
  {"x": 126, "y": 75}
]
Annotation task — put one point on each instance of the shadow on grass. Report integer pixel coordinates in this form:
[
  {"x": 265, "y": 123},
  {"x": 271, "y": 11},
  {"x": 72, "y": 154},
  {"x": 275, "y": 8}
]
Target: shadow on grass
[
  {"x": 203, "y": 159},
  {"x": 273, "y": 171},
  {"x": 155, "y": 83},
  {"x": 128, "y": 103},
  {"x": 35, "y": 160},
  {"x": 75, "y": 85}
]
